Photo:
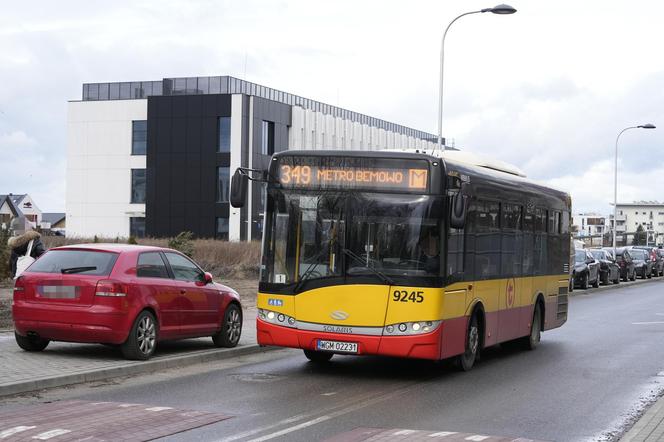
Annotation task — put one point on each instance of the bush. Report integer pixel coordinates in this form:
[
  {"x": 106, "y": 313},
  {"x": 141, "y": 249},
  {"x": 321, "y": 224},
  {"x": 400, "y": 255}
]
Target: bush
[
  {"x": 5, "y": 254},
  {"x": 182, "y": 243}
]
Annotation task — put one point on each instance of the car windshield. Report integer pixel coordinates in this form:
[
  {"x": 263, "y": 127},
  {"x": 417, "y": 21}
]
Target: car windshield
[
  {"x": 580, "y": 256},
  {"x": 638, "y": 253},
  {"x": 313, "y": 235},
  {"x": 81, "y": 262}
]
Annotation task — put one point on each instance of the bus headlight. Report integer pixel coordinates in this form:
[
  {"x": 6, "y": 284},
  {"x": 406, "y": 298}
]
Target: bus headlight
[
  {"x": 277, "y": 318},
  {"x": 410, "y": 328}
]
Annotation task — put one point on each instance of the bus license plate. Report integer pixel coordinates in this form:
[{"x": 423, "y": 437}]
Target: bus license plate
[{"x": 336, "y": 346}]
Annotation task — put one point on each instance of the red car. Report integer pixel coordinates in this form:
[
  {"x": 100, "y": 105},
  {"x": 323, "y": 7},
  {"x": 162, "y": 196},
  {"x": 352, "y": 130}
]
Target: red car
[{"x": 131, "y": 296}]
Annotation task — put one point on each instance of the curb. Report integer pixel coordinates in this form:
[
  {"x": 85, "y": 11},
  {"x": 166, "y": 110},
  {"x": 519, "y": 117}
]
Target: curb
[
  {"x": 130, "y": 369},
  {"x": 622, "y": 285}
]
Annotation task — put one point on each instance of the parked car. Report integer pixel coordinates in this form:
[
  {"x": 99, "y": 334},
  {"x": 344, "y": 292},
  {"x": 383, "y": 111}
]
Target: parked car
[
  {"x": 660, "y": 254},
  {"x": 625, "y": 262},
  {"x": 130, "y": 296},
  {"x": 586, "y": 269},
  {"x": 656, "y": 258},
  {"x": 642, "y": 262},
  {"x": 608, "y": 269}
]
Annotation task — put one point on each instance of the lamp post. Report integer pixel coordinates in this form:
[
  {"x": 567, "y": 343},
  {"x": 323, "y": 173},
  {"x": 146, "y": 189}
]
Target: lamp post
[
  {"x": 615, "y": 181},
  {"x": 500, "y": 10}
]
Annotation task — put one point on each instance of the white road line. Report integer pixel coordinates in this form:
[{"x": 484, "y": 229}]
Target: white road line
[
  {"x": 128, "y": 405},
  {"x": 350, "y": 409},
  {"x": 51, "y": 434},
  {"x": 332, "y": 393},
  {"x": 648, "y": 323},
  {"x": 443, "y": 434},
  {"x": 404, "y": 432},
  {"x": 12, "y": 431},
  {"x": 158, "y": 408},
  {"x": 477, "y": 438}
]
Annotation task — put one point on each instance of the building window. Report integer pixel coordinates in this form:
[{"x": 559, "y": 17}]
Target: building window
[
  {"x": 224, "y": 141},
  {"x": 138, "y": 186},
  {"x": 222, "y": 229},
  {"x": 137, "y": 227},
  {"x": 139, "y": 136},
  {"x": 267, "y": 138},
  {"x": 223, "y": 184}
]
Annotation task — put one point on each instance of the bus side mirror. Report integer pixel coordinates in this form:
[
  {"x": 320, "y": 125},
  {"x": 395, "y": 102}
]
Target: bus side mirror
[
  {"x": 239, "y": 184},
  {"x": 458, "y": 211}
]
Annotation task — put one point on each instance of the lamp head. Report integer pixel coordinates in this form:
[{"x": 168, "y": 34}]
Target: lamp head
[
  {"x": 647, "y": 126},
  {"x": 501, "y": 9}
]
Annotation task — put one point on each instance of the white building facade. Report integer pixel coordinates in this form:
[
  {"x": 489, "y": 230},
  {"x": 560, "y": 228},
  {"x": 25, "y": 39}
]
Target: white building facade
[{"x": 649, "y": 215}]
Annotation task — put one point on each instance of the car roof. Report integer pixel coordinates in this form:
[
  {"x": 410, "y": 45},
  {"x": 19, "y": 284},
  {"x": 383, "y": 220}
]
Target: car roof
[{"x": 113, "y": 247}]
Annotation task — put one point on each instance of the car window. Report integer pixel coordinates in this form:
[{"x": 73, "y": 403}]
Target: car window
[
  {"x": 599, "y": 254},
  {"x": 80, "y": 262},
  {"x": 580, "y": 256},
  {"x": 184, "y": 269},
  {"x": 151, "y": 265}
]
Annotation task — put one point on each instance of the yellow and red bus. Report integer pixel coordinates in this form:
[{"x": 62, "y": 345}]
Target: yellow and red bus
[{"x": 407, "y": 254}]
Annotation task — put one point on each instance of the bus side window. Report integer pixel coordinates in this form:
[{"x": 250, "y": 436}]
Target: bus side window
[
  {"x": 483, "y": 239},
  {"x": 528, "y": 241}
]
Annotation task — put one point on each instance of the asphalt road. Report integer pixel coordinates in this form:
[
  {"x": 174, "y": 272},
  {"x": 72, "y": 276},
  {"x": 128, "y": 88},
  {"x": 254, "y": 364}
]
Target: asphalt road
[{"x": 587, "y": 381}]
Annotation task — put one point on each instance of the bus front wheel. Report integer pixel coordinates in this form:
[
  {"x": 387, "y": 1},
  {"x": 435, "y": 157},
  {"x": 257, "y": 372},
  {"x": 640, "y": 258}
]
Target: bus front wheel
[
  {"x": 318, "y": 356},
  {"x": 466, "y": 360},
  {"x": 531, "y": 341}
]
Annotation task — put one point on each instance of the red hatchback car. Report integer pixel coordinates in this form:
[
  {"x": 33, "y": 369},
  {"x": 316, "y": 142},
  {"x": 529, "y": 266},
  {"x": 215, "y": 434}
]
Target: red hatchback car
[{"x": 131, "y": 296}]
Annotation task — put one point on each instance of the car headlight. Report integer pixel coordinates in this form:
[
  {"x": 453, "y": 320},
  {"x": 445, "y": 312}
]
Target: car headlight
[
  {"x": 410, "y": 328},
  {"x": 277, "y": 318}
]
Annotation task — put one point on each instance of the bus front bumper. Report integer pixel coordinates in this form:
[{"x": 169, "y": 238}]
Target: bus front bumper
[{"x": 424, "y": 346}]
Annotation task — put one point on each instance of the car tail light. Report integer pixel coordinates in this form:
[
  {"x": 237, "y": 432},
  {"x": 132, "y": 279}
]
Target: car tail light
[
  {"x": 110, "y": 289},
  {"x": 19, "y": 287}
]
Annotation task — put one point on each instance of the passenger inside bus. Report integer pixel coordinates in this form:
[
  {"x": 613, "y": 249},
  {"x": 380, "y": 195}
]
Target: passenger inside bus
[{"x": 429, "y": 245}]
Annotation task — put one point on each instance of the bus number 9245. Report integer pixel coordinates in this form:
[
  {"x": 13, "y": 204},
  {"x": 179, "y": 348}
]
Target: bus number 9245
[{"x": 405, "y": 296}]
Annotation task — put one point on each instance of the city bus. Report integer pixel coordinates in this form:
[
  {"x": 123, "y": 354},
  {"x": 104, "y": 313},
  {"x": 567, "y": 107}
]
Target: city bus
[{"x": 406, "y": 254}]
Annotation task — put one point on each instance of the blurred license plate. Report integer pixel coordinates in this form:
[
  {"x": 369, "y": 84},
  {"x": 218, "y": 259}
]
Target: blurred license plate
[
  {"x": 57, "y": 291},
  {"x": 337, "y": 346}
]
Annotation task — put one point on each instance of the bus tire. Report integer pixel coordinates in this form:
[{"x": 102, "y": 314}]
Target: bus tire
[
  {"x": 318, "y": 356},
  {"x": 466, "y": 360},
  {"x": 531, "y": 341}
]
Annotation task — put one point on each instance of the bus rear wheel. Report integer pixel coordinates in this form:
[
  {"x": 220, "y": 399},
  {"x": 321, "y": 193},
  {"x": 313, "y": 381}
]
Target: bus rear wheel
[
  {"x": 466, "y": 360},
  {"x": 318, "y": 356}
]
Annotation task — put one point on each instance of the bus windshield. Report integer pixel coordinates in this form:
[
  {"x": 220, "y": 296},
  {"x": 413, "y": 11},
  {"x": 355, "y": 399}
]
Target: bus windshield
[{"x": 313, "y": 235}]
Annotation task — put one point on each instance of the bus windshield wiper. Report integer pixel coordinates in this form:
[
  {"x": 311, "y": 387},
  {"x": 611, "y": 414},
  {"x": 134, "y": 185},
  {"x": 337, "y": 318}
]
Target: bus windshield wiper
[
  {"x": 310, "y": 269},
  {"x": 366, "y": 265},
  {"x": 71, "y": 270}
]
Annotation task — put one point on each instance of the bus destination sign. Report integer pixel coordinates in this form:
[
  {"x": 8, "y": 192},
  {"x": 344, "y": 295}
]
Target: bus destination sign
[{"x": 383, "y": 178}]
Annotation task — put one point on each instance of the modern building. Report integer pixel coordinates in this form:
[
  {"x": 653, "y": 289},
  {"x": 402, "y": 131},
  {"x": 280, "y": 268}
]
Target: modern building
[
  {"x": 155, "y": 157},
  {"x": 649, "y": 215},
  {"x": 589, "y": 224}
]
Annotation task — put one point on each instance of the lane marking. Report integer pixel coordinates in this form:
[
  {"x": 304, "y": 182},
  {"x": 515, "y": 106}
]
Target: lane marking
[
  {"x": 158, "y": 408},
  {"x": 404, "y": 432},
  {"x": 648, "y": 323},
  {"x": 350, "y": 409},
  {"x": 659, "y": 314},
  {"x": 51, "y": 434},
  {"x": 443, "y": 434},
  {"x": 332, "y": 393},
  {"x": 477, "y": 438},
  {"x": 11, "y": 431}
]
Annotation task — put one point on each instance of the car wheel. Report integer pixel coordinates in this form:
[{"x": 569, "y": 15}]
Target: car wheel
[
  {"x": 531, "y": 341},
  {"x": 585, "y": 284},
  {"x": 30, "y": 343},
  {"x": 318, "y": 356},
  {"x": 596, "y": 283},
  {"x": 571, "y": 285},
  {"x": 633, "y": 277},
  {"x": 142, "y": 340},
  {"x": 466, "y": 360},
  {"x": 231, "y": 328},
  {"x": 605, "y": 279},
  {"x": 617, "y": 280}
]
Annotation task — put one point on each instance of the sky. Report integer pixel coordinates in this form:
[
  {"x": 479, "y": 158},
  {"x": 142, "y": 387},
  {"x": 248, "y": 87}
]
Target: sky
[{"x": 547, "y": 89}]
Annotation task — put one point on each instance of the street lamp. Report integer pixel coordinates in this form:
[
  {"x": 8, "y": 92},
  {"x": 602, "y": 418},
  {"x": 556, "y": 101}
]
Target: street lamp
[
  {"x": 615, "y": 182},
  {"x": 501, "y": 9}
]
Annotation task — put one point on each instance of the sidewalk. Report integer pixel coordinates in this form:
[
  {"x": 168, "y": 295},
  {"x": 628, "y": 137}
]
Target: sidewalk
[
  {"x": 66, "y": 363},
  {"x": 650, "y": 428}
]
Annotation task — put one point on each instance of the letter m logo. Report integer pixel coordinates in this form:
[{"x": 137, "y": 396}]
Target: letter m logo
[{"x": 417, "y": 178}]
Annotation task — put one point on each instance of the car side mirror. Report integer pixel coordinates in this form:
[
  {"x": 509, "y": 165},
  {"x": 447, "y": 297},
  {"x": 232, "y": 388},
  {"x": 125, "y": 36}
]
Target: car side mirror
[
  {"x": 239, "y": 185},
  {"x": 208, "y": 278}
]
